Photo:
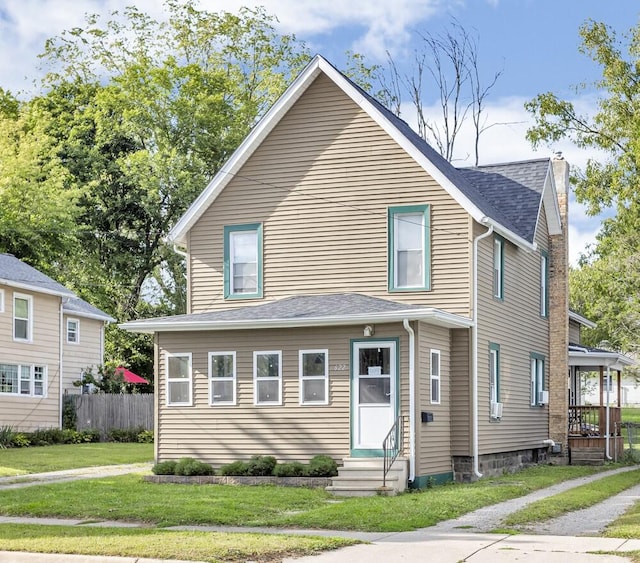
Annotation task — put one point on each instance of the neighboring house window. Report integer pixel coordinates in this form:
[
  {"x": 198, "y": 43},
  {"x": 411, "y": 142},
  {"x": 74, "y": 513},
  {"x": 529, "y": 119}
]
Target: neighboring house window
[
  {"x": 1, "y": 300},
  {"x": 73, "y": 331},
  {"x": 178, "y": 368},
  {"x": 267, "y": 376},
  {"x": 23, "y": 380},
  {"x": 494, "y": 373},
  {"x": 243, "y": 261},
  {"x": 544, "y": 284},
  {"x": 409, "y": 248},
  {"x": 222, "y": 378},
  {"x": 314, "y": 377},
  {"x": 435, "y": 377},
  {"x": 537, "y": 380},
  {"x": 498, "y": 267},
  {"x": 22, "y": 317}
]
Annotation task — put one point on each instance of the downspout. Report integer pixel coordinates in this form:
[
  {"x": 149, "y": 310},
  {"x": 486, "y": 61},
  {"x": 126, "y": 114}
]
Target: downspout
[
  {"x": 412, "y": 406},
  {"x": 60, "y": 362},
  {"x": 606, "y": 450},
  {"x": 474, "y": 354}
]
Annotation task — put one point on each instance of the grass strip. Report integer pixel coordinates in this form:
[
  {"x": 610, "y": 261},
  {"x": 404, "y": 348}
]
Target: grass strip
[
  {"x": 577, "y": 498},
  {"x": 21, "y": 461},
  {"x": 128, "y": 498},
  {"x": 162, "y": 544},
  {"x": 626, "y": 526}
]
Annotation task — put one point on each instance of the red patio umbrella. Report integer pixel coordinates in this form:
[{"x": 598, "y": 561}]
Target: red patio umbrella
[{"x": 129, "y": 376}]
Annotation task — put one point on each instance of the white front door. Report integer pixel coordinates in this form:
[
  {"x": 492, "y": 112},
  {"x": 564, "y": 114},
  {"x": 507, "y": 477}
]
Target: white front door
[{"x": 373, "y": 400}]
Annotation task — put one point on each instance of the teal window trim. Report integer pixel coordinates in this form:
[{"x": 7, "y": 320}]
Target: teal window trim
[
  {"x": 537, "y": 383},
  {"x": 494, "y": 352},
  {"x": 544, "y": 284},
  {"x": 228, "y": 230},
  {"x": 426, "y": 247},
  {"x": 498, "y": 273}
]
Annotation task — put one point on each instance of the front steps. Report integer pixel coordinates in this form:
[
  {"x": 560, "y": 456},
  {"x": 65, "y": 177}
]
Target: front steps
[{"x": 362, "y": 477}]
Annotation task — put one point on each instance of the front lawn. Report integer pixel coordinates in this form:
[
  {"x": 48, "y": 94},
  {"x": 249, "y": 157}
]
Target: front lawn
[
  {"x": 20, "y": 461},
  {"x": 129, "y": 498}
]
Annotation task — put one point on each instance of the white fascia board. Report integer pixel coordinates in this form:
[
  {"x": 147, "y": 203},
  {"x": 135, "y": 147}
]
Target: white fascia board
[
  {"x": 581, "y": 320},
  {"x": 612, "y": 360},
  {"x": 430, "y": 316},
  {"x": 549, "y": 200},
  {"x": 94, "y": 316},
  {"x": 509, "y": 235},
  {"x": 36, "y": 288}
]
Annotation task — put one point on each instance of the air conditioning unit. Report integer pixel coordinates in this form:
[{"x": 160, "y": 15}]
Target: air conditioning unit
[
  {"x": 496, "y": 410},
  {"x": 543, "y": 397}
]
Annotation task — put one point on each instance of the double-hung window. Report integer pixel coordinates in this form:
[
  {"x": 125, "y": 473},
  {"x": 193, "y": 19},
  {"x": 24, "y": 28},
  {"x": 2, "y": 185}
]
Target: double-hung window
[
  {"x": 435, "y": 377},
  {"x": 22, "y": 317},
  {"x": 222, "y": 378},
  {"x": 544, "y": 284},
  {"x": 243, "y": 261},
  {"x": 537, "y": 380},
  {"x": 314, "y": 377},
  {"x": 409, "y": 248},
  {"x": 498, "y": 267},
  {"x": 73, "y": 331},
  {"x": 494, "y": 373},
  {"x": 179, "y": 383},
  {"x": 25, "y": 380},
  {"x": 267, "y": 377}
]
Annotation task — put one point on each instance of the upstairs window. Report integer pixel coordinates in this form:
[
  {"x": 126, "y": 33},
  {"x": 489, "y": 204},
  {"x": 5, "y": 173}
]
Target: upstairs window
[
  {"x": 22, "y": 315},
  {"x": 267, "y": 376},
  {"x": 314, "y": 377},
  {"x": 222, "y": 378},
  {"x": 544, "y": 284},
  {"x": 409, "y": 248},
  {"x": 178, "y": 368},
  {"x": 435, "y": 377},
  {"x": 498, "y": 267},
  {"x": 73, "y": 331},
  {"x": 243, "y": 261}
]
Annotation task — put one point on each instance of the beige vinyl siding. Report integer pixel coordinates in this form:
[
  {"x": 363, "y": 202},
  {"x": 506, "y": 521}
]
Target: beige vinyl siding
[
  {"x": 460, "y": 376},
  {"x": 433, "y": 439},
  {"x": 28, "y": 413},
  {"x": 516, "y": 326},
  {"x": 574, "y": 332},
  {"x": 291, "y": 432},
  {"x": 321, "y": 184},
  {"x": 87, "y": 353}
]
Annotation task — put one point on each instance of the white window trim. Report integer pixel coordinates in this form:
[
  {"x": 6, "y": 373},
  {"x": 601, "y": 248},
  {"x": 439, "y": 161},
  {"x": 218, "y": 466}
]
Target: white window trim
[
  {"x": 29, "y": 299},
  {"x": 537, "y": 378},
  {"x": 31, "y": 394},
  {"x": 257, "y": 379},
  {"x": 498, "y": 268},
  {"x": 1, "y": 300},
  {"x": 169, "y": 380},
  {"x": 77, "y": 340},
  {"x": 212, "y": 402},
  {"x": 324, "y": 377},
  {"x": 433, "y": 377},
  {"x": 544, "y": 285}
]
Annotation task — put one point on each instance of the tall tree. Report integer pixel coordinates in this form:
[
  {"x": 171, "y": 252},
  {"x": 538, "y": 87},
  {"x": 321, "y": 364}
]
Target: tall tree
[{"x": 606, "y": 286}]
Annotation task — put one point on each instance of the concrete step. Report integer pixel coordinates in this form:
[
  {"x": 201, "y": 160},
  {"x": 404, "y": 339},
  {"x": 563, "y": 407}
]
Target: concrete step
[
  {"x": 363, "y": 477},
  {"x": 375, "y": 472},
  {"x": 363, "y": 481},
  {"x": 370, "y": 462},
  {"x": 362, "y": 491}
]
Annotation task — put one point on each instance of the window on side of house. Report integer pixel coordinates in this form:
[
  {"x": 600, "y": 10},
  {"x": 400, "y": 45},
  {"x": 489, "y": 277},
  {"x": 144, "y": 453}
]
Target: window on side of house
[
  {"x": 544, "y": 284},
  {"x": 222, "y": 378},
  {"x": 494, "y": 373},
  {"x": 267, "y": 377},
  {"x": 179, "y": 379},
  {"x": 435, "y": 377},
  {"x": 314, "y": 377},
  {"x": 22, "y": 317},
  {"x": 24, "y": 380},
  {"x": 243, "y": 261},
  {"x": 498, "y": 267},
  {"x": 409, "y": 248},
  {"x": 1, "y": 300},
  {"x": 73, "y": 331},
  {"x": 537, "y": 379}
]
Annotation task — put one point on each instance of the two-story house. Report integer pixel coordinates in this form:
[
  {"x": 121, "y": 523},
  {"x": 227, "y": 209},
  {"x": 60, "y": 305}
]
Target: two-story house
[
  {"x": 48, "y": 336},
  {"x": 349, "y": 288}
]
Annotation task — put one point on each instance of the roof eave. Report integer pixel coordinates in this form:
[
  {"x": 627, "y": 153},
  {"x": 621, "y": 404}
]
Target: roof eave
[
  {"x": 94, "y": 316},
  {"x": 581, "y": 320},
  {"x": 612, "y": 360},
  {"x": 35, "y": 288}
]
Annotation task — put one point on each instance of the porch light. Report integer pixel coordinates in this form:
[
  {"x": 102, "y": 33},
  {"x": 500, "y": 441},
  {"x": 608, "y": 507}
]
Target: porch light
[{"x": 368, "y": 331}]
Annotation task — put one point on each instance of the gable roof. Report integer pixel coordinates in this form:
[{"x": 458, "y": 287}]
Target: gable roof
[
  {"x": 302, "y": 310},
  {"x": 80, "y": 308},
  {"x": 485, "y": 205}
]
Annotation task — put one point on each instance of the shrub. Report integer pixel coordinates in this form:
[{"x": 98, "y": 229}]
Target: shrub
[
  {"x": 189, "y": 466},
  {"x": 235, "y": 468},
  {"x": 7, "y": 436},
  {"x": 92, "y": 435},
  {"x": 164, "y": 468},
  {"x": 69, "y": 414},
  {"x": 322, "y": 466},
  {"x": 46, "y": 437},
  {"x": 145, "y": 437},
  {"x": 71, "y": 436},
  {"x": 293, "y": 469},
  {"x": 261, "y": 465},
  {"x": 124, "y": 434},
  {"x": 20, "y": 440}
]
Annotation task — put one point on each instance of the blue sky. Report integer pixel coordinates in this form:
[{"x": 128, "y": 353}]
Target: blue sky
[{"x": 534, "y": 42}]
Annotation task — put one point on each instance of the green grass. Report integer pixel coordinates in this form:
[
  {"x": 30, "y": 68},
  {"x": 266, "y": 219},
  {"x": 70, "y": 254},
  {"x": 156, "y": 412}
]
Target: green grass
[
  {"x": 630, "y": 414},
  {"x": 574, "y": 499},
  {"x": 21, "y": 461},
  {"x": 161, "y": 544},
  {"x": 129, "y": 498}
]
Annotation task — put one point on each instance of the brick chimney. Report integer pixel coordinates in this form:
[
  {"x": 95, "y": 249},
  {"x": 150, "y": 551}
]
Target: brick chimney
[{"x": 559, "y": 317}]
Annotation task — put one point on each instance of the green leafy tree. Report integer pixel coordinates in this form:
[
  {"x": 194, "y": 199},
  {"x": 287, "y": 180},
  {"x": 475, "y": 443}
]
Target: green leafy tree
[{"x": 606, "y": 286}]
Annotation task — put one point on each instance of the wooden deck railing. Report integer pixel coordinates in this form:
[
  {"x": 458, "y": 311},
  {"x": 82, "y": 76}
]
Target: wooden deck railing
[{"x": 592, "y": 421}]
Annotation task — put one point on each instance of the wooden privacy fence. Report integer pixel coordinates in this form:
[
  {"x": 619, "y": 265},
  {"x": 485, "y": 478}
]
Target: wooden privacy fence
[{"x": 103, "y": 412}]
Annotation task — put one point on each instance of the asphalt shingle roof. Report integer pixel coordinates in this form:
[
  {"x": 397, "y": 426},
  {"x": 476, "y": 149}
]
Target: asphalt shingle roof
[
  {"x": 14, "y": 270},
  {"x": 83, "y": 309}
]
